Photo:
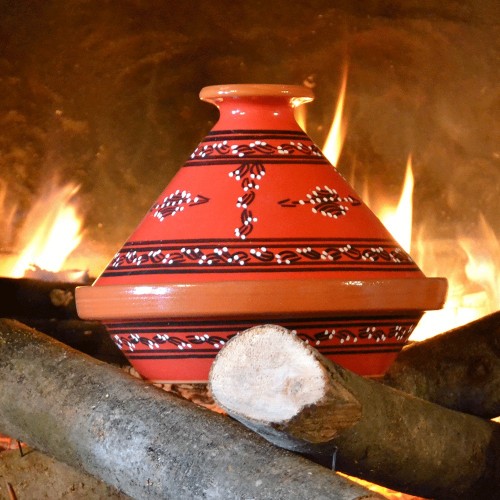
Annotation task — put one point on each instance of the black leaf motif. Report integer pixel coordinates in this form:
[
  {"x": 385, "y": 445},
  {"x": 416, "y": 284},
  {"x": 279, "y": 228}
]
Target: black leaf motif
[{"x": 325, "y": 201}]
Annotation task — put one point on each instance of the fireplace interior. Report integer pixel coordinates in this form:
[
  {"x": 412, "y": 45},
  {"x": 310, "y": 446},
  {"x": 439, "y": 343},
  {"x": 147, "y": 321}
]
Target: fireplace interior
[
  {"x": 99, "y": 108},
  {"x": 105, "y": 95}
]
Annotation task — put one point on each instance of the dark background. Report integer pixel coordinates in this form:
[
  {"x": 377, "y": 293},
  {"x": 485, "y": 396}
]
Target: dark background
[{"x": 105, "y": 93}]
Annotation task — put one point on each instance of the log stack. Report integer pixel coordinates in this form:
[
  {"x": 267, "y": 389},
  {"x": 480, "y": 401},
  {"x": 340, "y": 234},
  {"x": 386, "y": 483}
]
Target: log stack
[
  {"x": 145, "y": 442},
  {"x": 279, "y": 386},
  {"x": 423, "y": 429}
]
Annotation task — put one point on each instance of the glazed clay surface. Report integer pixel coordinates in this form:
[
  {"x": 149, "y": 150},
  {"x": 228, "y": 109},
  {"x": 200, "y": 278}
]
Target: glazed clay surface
[{"x": 258, "y": 226}]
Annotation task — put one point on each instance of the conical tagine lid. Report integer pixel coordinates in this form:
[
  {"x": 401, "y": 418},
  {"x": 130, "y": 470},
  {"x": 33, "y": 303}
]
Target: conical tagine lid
[{"x": 258, "y": 202}]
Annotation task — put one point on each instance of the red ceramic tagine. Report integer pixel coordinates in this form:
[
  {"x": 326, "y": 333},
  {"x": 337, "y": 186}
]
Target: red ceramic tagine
[{"x": 257, "y": 227}]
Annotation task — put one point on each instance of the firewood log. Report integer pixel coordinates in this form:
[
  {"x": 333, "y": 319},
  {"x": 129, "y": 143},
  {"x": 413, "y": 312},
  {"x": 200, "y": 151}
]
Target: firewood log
[
  {"x": 459, "y": 369},
  {"x": 279, "y": 386},
  {"x": 138, "y": 438}
]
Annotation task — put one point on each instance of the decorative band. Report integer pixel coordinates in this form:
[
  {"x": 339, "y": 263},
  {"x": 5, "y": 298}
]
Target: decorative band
[
  {"x": 275, "y": 148},
  {"x": 174, "y": 339},
  {"x": 248, "y": 256}
]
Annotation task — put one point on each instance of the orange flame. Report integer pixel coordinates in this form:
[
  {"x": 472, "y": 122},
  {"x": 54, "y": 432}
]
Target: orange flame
[
  {"x": 300, "y": 113},
  {"x": 473, "y": 280},
  {"x": 7, "y": 214},
  {"x": 335, "y": 138},
  {"x": 483, "y": 257},
  {"x": 51, "y": 231},
  {"x": 398, "y": 220},
  {"x": 473, "y": 277}
]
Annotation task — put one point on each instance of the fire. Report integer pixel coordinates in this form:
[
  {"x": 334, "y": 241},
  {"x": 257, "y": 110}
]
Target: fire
[
  {"x": 387, "y": 493},
  {"x": 470, "y": 263},
  {"x": 398, "y": 220},
  {"x": 473, "y": 280},
  {"x": 335, "y": 138},
  {"x": 483, "y": 256},
  {"x": 51, "y": 231}
]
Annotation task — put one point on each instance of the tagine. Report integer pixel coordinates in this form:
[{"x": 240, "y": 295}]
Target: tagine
[{"x": 258, "y": 227}]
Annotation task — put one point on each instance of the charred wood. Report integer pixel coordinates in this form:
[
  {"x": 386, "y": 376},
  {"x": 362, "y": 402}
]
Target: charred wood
[
  {"x": 32, "y": 298},
  {"x": 49, "y": 306}
]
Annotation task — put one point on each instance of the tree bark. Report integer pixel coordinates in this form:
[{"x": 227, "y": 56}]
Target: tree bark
[
  {"x": 138, "y": 438},
  {"x": 274, "y": 383},
  {"x": 459, "y": 369}
]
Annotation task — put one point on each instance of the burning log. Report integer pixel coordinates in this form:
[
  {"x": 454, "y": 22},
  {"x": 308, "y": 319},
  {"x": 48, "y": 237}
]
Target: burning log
[
  {"x": 138, "y": 438},
  {"x": 277, "y": 385},
  {"x": 459, "y": 369}
]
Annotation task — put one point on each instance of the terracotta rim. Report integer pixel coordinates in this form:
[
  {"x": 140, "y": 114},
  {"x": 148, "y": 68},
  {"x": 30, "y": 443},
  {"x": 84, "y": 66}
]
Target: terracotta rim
[
  {"x": 214, "y": 93},
  {"x": 260, "y": 298}
]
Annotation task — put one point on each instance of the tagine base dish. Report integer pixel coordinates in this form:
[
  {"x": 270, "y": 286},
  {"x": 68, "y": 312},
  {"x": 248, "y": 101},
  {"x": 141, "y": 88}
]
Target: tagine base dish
[{"x": 172, "y": 333}]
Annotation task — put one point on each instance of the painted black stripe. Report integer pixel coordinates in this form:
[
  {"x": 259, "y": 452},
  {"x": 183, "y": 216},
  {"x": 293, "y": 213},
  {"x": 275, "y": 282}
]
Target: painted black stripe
[
  {"x": 250, "y": 242},
  {"x": 231, "y": 325},
  {"x": 265, "y": 159},
  {"x": 188, "y": 355},
  {"x": 175, "y": 351},
  {"x": 245, "y": 270},
  {"x": 255, "y": 132},
  {"x": 334, "y": 351},
  {"x": 252, "y": 137},
  {"x": 178, "y": 356}
]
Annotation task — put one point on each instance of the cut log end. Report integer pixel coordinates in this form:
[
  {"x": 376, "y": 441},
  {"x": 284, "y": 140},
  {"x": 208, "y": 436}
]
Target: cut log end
[
  {"x": 269, "y": 379},
  {"x": 282, "y": 379}
]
